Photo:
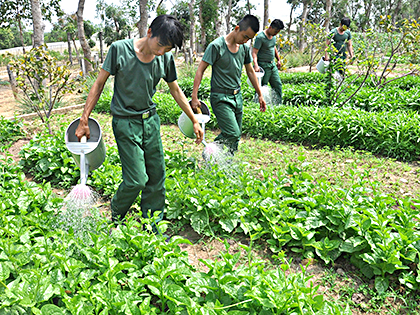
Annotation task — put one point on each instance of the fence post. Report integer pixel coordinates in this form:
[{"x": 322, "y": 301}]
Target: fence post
[
  {"x": 12, "y": 80},
  {"x": 82, "y": 65},
  {"x": 96, "y": 60}
]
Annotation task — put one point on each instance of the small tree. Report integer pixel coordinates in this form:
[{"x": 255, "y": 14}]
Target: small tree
[
  {"x": 42, "y": 81},
  {"x": 376, "y": 56},
  {"x": 402, "y": 47},
  {"x": 314, "y": 37}
]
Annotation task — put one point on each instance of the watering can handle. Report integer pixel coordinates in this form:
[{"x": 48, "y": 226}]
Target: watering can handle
[
  {"x": 83, "y": 139},
  {"x": 199, "y": 110}
]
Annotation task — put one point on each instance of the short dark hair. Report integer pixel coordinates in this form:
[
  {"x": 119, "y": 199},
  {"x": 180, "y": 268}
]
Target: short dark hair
[
  {"x": 345, "y": 21},
  {"x": 277, "y": 24},
  {"x": 249, "y": 21},
  {"x": 168, "y": 29}
]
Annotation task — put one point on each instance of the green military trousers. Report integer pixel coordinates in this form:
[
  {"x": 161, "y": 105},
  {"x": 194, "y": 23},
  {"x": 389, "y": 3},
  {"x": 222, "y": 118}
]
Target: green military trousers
[
  {"x": 143, "y": 165},
  {"x": 228, "y": 110},
  {"x": 271, "y": 75}
]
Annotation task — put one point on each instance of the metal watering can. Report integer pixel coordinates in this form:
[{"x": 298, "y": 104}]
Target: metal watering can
[
  {"x": 322, "y": 65},
  {"x": 88, "y": 154},
  {"x": 186, "y": 126},
  {"x": 260, "y": 75}
]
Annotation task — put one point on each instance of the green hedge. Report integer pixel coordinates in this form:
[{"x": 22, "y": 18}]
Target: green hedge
[
  {"x": 301, "y": 77},
  {"x": 405, "y": 83},
  {"x": 368, "y": 98},
  {"x": 392, "y": 134}
]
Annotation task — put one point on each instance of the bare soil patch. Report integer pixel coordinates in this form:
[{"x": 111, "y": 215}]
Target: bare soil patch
[{"x": 8, "y": 105}]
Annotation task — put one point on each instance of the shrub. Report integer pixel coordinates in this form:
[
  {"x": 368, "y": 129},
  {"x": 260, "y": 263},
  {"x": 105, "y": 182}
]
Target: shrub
[{"x": 10, "y": 131}]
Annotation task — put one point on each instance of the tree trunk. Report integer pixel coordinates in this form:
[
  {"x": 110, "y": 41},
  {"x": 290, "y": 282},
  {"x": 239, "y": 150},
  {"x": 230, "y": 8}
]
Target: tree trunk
[
  {"x": 81, "y": 35},
  {"x": 248, "y": 6},
  {"x": 305, "y": 12},
  {"x": 289, "y": 25},
  {"x": 229, "y": 13},
  {"x": 396, "y": 13},
  {"x": 142, "y": 24},
  {"x": 203, "y": 31},
  {"x": 328, "y": 5},
  {"x": 37, "y": 23},
  {"x": 69, "y": 46},
  {"x": 265, "y": 23},
  {"x": 192, "y": 23},
  {"x": 218, "y": 21},
  {"x": 21, "y": 35},
  {"x": 184, "y": 51},
  {"x": 368, "y": 9},
  {"x": 101, "y": 46}
]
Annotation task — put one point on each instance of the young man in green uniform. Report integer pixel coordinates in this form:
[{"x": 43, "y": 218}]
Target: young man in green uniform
[
  {"x": 341, "y": 38},
  {"x": 227, "y": 55},
  {"x": 138, "y": 65},
  {"x": 263, "y": 54}
]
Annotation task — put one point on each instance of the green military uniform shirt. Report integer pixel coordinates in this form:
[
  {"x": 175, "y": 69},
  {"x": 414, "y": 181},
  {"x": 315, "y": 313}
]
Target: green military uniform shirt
[
  {"x": 340, "y": 42},
  {"x": 226, "y": 66},
  {"x": 135, "y": 81},
  {"x": 265, "y": 47}
]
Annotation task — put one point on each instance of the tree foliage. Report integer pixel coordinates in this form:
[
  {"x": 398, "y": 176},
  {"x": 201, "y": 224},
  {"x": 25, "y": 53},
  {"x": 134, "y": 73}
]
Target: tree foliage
[
  {"x": 12, "y": 11},
  {"x": 117, "y": 19},
  {"x": 9, "y": 37}
]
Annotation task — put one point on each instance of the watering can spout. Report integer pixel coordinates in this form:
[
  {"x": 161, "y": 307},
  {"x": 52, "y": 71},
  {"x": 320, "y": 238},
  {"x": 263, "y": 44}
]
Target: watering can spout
[{"x": 84, "y": 166}]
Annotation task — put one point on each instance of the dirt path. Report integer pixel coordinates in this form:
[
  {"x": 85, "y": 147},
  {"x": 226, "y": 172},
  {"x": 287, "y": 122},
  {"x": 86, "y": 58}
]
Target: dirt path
[{"x": 8, "y": 105}]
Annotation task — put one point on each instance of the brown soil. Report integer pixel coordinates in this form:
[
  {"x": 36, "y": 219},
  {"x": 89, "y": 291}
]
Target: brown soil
[{"x": 8, "y": 105}]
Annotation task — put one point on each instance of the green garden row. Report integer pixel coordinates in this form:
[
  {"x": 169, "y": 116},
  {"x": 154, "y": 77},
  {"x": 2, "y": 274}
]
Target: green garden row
[
  {"x": 298, "y": 78},
  {"x": 367, "y": 99},
  {"x": 46, "y": 269},
  {"x": 379, "y": 234},
  {"x": 308, "y": 89},
  {"x": 393, "y": 134},
  {"x": 405, "y": 83}
]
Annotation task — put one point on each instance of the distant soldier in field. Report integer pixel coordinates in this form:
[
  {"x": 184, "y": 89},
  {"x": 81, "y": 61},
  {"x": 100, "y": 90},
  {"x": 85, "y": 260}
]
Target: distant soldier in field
[
  {"x": 263, "y": 54},
  {"x": 341, "y": 38}
]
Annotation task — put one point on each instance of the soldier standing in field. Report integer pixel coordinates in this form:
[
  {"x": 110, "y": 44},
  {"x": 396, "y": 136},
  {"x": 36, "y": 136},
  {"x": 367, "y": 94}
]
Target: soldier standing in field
[
  {"x": 227, "y": 56},
  {"x": 341, "y": 38},
  {"x": 138, "y": 65},
  {"x": 263, "y": 54}
]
